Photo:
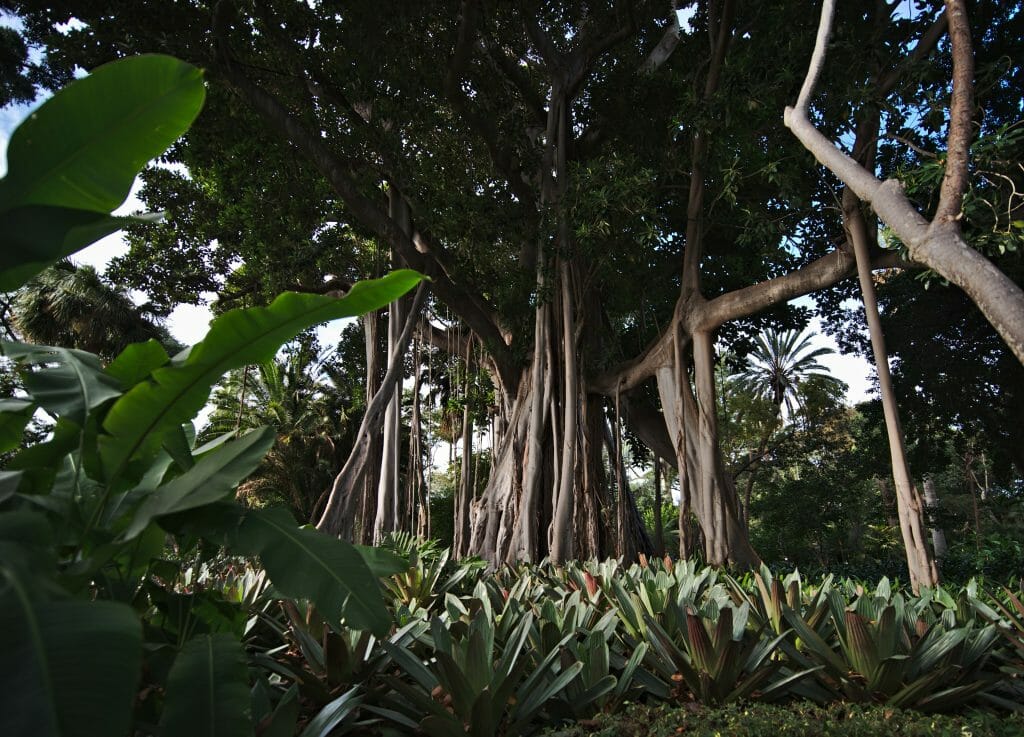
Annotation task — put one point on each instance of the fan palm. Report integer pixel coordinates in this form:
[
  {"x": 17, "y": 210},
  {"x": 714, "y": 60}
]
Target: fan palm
[
  {"x": 781, "y": 362},
  {"x": 72, "y": 306}
]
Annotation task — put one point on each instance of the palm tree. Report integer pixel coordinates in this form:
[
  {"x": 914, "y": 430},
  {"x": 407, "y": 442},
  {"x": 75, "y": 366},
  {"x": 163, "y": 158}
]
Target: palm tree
[
  {"x": 781, "y": 371},
  {"x": 780, "y": 364},
  {"x": 71, "y": 306},
  {"x": 305, "y": 396}
]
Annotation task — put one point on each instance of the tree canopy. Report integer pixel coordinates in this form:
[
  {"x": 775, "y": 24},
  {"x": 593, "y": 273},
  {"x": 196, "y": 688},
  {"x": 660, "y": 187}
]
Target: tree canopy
[{"x": 600, "y": 193}]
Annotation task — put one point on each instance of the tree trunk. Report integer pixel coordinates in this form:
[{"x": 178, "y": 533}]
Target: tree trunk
[
  {"x": 931, "y": 502},
  {"x": 659, "y": 527},
  {"x": 418, "y": 519},
  {"x": 909, "y": 505},
  {"x": 464, "y": 493},
  {"x": 562, "y": 532},
  {"x": 372, "y": 478},
  {"x": 343, "y": 501},
  {"x": 388, "y": 515},
  {"x": 624, "y": 547}
]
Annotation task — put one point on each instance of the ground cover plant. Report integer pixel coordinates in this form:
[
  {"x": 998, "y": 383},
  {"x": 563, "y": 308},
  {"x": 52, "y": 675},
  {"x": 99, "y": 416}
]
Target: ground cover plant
[{"x": 599, "y": 644}]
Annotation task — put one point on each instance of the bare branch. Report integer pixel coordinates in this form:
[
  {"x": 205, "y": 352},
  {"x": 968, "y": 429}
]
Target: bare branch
[
  {"x": 668, "y": 43},
  {"x": 817, "y": 63}
]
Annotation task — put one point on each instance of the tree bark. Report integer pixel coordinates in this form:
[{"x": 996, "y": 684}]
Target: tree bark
[
  {"x": 417, "y": 503},
  {"x": 464, "y": 493},
  {"x": 388, "y": 515},
  {"x": 909, "y": 504},
  {"x": 371, "y": 479},
  {"x": 659, "y": 526},
  {"x": 342, "y": 502},
  {"x": 562, "y": 532}
]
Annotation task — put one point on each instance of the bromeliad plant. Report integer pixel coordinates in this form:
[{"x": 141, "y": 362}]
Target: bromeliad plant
[
  {"x": 85, "y": 600},
  {"x": 474, "y": 683},
  {"x": 884, "y": 648}
]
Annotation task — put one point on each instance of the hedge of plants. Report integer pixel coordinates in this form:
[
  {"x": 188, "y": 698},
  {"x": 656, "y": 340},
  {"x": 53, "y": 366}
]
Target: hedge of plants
[{"x": 519, "y": 649}]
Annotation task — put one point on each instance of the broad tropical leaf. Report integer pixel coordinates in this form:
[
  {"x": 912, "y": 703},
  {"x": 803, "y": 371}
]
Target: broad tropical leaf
[
  {"x": 71, "y": 383},
  {"x": 208, "y": 690},
  {"x": 306, "y": 564},
  {"x": 137, "y": 361},
  {"x": 382, "y": 562},
  {"x": 36, "y": 236},
  {"x": 214, "y": 477},
  {"x": 14, "y": 416},
  {"x": 125, "y": 113},
  {"x": 64, "y": 179},
  {"x": 67, "y": 668},
  {"x": 137, "y": 422}
]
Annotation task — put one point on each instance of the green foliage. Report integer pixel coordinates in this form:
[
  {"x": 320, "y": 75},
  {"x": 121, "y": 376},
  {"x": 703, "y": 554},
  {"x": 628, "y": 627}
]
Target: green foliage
[
  {"x": 63, "y": 179},
  {"x": 70, "y": 667},
  {"x": 89, "y": 576},
  {"x": 314, "y": 404},
  {"x": 73, "y": 306},
  {"x": 208, "y": 690}
]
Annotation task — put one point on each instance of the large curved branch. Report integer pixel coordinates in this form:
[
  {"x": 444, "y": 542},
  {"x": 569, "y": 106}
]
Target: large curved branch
[
  {"x": 937, "y": 245},
  {"x": 705, "y": 316}
]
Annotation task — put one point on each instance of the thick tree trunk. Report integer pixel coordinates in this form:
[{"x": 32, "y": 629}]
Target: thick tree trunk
[
  {"x": 562, "y": 532},
  {"x": 725, "y": 536}
]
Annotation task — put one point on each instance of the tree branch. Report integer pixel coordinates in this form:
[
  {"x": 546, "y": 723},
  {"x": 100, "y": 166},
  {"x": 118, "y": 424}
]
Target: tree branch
[
  {"x": 940, "y": 247},
  {"x": 501, "y": 155},
  {"x": 961, "y": 113}
]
